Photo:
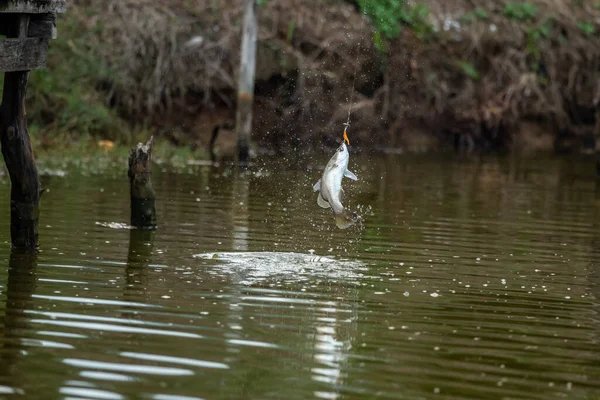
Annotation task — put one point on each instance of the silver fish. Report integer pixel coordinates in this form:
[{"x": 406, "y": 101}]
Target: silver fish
[{"x": 330, "y": 187}]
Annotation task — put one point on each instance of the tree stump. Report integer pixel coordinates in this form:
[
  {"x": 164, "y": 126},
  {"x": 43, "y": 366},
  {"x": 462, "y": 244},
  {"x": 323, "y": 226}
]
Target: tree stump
[
  {"x": 25, "y": 188},
  {"x": 143, "y": 213}
]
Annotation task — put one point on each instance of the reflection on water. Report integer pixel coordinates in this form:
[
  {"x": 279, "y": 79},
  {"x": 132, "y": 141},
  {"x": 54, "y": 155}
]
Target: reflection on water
[
  {"x": 20, "y": 287},
  {"x": 469, "y": 279}
]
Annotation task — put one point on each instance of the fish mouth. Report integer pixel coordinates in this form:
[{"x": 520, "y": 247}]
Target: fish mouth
[{"x": 346, "y": 219}]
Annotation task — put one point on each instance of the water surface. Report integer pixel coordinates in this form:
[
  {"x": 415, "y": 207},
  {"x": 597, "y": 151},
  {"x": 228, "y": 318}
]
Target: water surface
[{"x": 469, "y": 278}]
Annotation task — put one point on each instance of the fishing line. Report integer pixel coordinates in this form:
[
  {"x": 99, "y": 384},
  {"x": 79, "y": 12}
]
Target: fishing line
[{"x": 347, "y": 123}]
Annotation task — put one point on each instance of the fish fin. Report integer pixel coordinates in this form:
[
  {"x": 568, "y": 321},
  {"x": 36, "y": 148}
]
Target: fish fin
[
  {"x": 346, "y": 219},
  {"x": 349, "y": 174},
  {"x": 322, "y": 202},
  {"x": 317, "y": 186},
  {"x": 342, "y": 195}
]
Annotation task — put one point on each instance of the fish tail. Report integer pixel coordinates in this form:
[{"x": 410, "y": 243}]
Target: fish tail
[{"x": 346, "y": 218}]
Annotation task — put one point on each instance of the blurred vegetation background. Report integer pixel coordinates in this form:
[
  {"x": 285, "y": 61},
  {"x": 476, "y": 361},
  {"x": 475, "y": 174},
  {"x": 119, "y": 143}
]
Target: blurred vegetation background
[{"x": 474, "y": 74}]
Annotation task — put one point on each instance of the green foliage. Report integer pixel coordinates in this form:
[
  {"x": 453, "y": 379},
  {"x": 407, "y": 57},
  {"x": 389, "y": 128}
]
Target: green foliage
[
  {"x": 468, "y": 69},
  {"x": 417, "y": 19},
  {"x": 389, "y": 15},
  {"x": 385, "y": 15},
  {"x": 86, "y": 157},
  {"x": 524, "y": 11},
  {"x": 290, "y": 30},
  {"x": 481, "y": 13},
  {"x": 478, "y": 13},
  {"x": 537, "y": 33},
  {"x": 378, "y": 40},
  {"x": 587, "y": 28},
  {"x": 62, "y": 99}
]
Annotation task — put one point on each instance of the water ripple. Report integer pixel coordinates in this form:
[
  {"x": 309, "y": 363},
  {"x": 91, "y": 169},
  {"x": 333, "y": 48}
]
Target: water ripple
[{"x": 130, "y": 368}]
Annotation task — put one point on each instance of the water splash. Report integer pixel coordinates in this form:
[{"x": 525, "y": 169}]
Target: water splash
[{"x": 259, "y": 266}]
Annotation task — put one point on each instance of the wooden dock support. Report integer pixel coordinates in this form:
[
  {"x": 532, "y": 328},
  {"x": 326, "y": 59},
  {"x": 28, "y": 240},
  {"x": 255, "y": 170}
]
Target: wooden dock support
[
  {"x": 27, "y": 25},
  {"x": 143, "y": 198},
  {"x": 245, "y": 96},
  {"x": 18, "y": 155}
]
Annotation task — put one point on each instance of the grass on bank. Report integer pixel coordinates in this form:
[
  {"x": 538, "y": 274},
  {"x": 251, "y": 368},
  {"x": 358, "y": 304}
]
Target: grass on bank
[
  {"x": 88, "y": 156},
  {"x": 64, "y": 102}
]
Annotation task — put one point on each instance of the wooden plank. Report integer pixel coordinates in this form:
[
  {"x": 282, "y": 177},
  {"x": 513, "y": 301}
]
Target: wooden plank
[
  {"x": 33, "y": 6},
  {"x": 40, "y": 25},
  {"x": 23, "y": 54}
]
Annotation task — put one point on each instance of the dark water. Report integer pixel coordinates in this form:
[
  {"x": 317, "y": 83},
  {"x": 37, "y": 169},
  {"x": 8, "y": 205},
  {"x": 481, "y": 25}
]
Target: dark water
[{"x": 469, "y": 279}]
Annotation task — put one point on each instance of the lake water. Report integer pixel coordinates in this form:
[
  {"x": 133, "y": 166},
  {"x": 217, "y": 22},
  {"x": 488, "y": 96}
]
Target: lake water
[{"x": 469, "y": 278}]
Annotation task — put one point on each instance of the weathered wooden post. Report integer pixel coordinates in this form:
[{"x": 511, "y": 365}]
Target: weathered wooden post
[
  {"x": 27, "y": 24},
  {"x": 245, "y": 96},
  {"x": 143, "y": 198}
]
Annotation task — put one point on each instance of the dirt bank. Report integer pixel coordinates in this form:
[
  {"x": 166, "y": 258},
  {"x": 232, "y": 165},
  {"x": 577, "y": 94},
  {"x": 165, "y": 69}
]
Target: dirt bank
[{"x": 479, "y": 74}]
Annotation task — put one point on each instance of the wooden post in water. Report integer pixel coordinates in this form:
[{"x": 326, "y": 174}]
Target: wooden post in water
[
  {"x": 18, "y": 155},
  {"x": 245, "y": 96},
  {"x": 27, "y": 25},
  {"x": 143, "y": 198}
]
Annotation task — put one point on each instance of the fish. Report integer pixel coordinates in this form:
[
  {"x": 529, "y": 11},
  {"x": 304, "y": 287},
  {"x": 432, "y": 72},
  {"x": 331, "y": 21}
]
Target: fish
[{"x": 330, "y": 188}]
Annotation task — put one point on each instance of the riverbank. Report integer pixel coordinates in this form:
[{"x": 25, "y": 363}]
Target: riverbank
[{"x": 478, "y": 75}]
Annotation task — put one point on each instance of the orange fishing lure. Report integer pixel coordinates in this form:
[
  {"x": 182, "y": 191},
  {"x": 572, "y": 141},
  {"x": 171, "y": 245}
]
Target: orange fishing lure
[{"x": 346, "y": 136}]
